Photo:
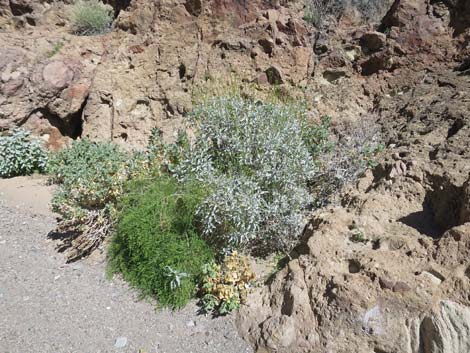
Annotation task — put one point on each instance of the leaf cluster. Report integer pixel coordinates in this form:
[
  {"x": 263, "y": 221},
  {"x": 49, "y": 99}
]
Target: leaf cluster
[
  {"x": 20, "y": 154},
  {"x": 225, "y": 286}
]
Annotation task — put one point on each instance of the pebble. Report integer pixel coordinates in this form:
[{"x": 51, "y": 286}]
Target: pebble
[
  {"x": 121, "y": 342},
  {"x": 77, "y": 267},
  {"x": 191, "y": 323}
]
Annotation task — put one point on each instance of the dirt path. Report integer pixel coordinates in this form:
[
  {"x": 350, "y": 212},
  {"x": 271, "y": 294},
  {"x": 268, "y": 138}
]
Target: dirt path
[{"x": 48, "y": 306}]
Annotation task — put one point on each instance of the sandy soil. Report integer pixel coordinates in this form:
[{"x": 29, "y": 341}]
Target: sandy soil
[{"x": 49, "y": 306}]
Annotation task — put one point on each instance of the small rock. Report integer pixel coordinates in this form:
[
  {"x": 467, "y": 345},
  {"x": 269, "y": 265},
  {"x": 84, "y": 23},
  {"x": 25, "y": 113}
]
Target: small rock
[
  {"x": 274, "y": 76},
  {"x": 352, "y": 53},
  {"x": 401, "y": 287},
  {"x": 262, "y": 79},
  {"x": 77, "y": 267},
  {"x": 190, "y": 323},
  {"x": 57, "y": 75},
  {"x": 267, "y": 44},
  {"x": 385, "y": 283},
  {"x": 434, "y": 279},
  {"x": 11, "y": 87},
  {"x": 121, "y": 342},
  {"x": 373, "y": 41}
]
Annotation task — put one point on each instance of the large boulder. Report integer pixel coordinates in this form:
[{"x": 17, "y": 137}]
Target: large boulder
[{"x": 46, "y": 79}]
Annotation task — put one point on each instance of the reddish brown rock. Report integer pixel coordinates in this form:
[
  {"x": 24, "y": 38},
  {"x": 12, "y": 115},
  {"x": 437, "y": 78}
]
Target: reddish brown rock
[{"x": 57, "y": 75}]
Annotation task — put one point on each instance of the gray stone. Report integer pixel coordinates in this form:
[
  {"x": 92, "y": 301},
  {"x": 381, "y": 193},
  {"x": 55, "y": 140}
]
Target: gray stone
[{"x": 121, "y": 342}]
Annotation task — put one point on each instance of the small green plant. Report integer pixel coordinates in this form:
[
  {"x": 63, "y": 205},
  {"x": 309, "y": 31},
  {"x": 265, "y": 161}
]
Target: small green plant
[
  {"x": 166, "y": 156},
  {"x": 225, "y": 286},
  {"x": 312, "y": 14},
  {"x": 55, "y": 48},
  {"x": 91, "y": 17},
  {"x": 20, "y": 154},
  {"x": 358, "y": 237},
  {"x": 371, "y": 152},
  {"x": 90, "y": 174},
  {"x": 156, "y": 246}
]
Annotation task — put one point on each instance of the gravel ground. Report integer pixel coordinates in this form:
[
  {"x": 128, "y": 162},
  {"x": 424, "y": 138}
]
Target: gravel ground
[{"x": 49, "y": 306}]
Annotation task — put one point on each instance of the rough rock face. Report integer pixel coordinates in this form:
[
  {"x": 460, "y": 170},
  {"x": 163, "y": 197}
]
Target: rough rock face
[
  {"x": 38, "y": 87},
  {"x": 388, "y": 270},
  {"x": 141, "y": 75}
]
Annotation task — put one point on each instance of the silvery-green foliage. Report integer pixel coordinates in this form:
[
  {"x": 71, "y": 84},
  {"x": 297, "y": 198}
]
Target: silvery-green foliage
[
  {"x": 257, "y": 159},
  {"x": 91, "y": 17},
  {"x": 20, "y": 154},
  {"x": 234, "y": 210},
  {"x": 175, "y": 277}
]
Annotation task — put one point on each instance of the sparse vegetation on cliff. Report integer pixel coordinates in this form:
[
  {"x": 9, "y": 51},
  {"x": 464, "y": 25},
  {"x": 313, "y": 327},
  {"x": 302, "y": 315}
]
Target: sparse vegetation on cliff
[{"x": 91, "y": 17}]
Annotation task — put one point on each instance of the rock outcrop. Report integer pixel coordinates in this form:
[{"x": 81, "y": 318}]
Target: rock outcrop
[
  {"x": 387, "y": 270},
  {"x": 142, "y": 75}
]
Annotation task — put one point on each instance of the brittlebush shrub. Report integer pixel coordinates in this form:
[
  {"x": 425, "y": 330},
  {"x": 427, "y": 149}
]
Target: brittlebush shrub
[
  {"x": 156, "y": 246},
  {"x": 91, "y": 17},
  {"x": 91, "y": 177},
  {"x": 21, "y": 154}
]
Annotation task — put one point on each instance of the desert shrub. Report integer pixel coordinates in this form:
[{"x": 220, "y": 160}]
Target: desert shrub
[
  {"x": 156, "y": 246},
  {"x": 225, "y": 286},
  {"x": 89, "y": 173},
  {"x": 352, "y": 151},
  {"x": 20, "y": 154},
  {"x": 257, "y": 159},
  {"x": 91, "y": 17},
  {"x": 91, "y": 176}
]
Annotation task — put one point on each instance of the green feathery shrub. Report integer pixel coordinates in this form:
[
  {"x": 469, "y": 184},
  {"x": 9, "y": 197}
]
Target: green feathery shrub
[
  {"x": 91, "y": 17},
  {"x": 156, "y": 246},
  {"x": 20, "y": 154}
]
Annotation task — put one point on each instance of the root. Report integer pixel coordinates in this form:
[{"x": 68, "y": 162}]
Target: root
[{"x": 80, "y": 237}]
